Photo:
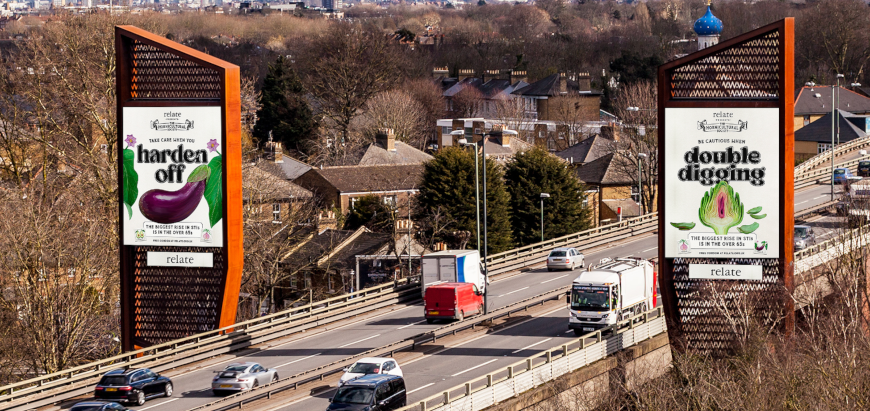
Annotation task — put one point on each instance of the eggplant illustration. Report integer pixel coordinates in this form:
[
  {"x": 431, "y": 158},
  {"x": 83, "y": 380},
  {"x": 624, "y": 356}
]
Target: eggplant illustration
[{"x": 168, "y": 207}]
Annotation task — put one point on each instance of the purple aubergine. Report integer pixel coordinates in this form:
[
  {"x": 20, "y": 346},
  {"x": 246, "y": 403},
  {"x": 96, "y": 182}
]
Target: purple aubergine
[{"x": 167, "y": 207}]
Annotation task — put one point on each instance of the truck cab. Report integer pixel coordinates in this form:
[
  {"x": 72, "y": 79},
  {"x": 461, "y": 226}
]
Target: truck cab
[
  {"x": 611, "y": 291},
  {"x": 452, "y": 301}
]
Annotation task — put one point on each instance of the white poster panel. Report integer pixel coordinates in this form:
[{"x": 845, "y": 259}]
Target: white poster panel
[
  {"x": 722, "y": 183},
  {"x": 172, "y": 176}
]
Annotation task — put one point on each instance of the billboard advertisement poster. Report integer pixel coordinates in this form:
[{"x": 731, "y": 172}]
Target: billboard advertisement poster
[
  {"x": 722, "y": 183},
  {"x": 171, "y": 177}
]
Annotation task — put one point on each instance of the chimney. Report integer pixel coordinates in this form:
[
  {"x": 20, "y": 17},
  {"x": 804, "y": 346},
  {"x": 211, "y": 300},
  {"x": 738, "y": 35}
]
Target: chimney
[
  {"x": 490, "y": 74},
  {"x": 610, "y": 132},
  {"x": 386, "y": 138},
  {"x": 465, "y": 73},
  {"x": 518, "y": 75},
  {"x": 326, "y": 220},
  {"x": 563, "y": 83},
  {"x": 274, "y": 151},
  {"x": 440, "y": 72},
  {"x": 505, "y": 140},
  {"x": 584, "y": 82}
]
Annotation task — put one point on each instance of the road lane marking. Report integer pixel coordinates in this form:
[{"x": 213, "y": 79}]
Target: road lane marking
[
  {"x": 158, "y": 405},
  {"x": 567, "y": 332},
  {"x": 514, "y": 291},
  {"x": 304, "y": 358},
  {"x": 649, "y": 249},
  {"x": 359, "y": 341},
  {"x": 806, "y": 201},
  {"x": 475, "y": 367},
  {"x": 530, "y": 346},
  {"x": 553, "y": 279},
  {"x": 406, "y": 326},
  {"x": 420, "y": 388},
  {"x": 816, "y": 198}
]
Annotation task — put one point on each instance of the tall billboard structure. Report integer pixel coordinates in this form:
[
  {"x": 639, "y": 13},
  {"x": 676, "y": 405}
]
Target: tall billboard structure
[
  {"x": 180, "y": 196},
  {"x": 726, "y": 184}
]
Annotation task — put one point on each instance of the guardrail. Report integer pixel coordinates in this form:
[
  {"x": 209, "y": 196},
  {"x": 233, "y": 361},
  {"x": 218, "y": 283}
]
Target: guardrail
[
  {"x": 536, "y": 253},
  {"x": 824, "y": 174},
  {"x": 818, "y": 209},
  {"x": 485, "y": 391},
  {"x": 820, "y": 158},
  {"x": 220, "y": 341},
  {"x": 820, "y": 253},
  {"x": 266, "y": 391}
]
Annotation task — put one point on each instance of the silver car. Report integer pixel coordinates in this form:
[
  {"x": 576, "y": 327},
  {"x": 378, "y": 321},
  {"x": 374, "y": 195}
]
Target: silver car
[
  {"x": 565, "y": 258},
  {"x": 241, "y": 377}
]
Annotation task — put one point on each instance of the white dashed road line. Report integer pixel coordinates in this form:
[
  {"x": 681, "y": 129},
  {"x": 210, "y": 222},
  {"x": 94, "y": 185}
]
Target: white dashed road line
[
  {"x": 303, "y": 358},
  {"x": 475, "y": 367},
  {"x": 514, "y": 291},
  {"x": 359, "y": 341},
  {"x": 420, "y": 388},
  {"x": 530, "y": 346}
]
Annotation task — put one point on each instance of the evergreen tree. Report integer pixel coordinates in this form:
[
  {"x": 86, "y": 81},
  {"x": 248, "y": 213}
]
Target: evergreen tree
[
  {"x": 284, "y": 111},
  {"x": 448, "y": 182},
  {"x": 369, "y": 211},
  {"x": 532, "y": 173}
]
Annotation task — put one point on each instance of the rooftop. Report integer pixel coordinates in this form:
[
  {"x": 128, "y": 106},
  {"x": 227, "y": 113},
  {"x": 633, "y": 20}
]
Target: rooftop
[
  {"x": 817, "y": 100},
  {"x": 356, "y": 179},
  {"x": 377, "y": 155}
]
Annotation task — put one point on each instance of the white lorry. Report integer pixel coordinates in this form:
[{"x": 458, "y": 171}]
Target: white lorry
[
  {"x": 856, "y": 200},
  {"x": 453, "y": 266},
  {"x": 611, "y": 291}
]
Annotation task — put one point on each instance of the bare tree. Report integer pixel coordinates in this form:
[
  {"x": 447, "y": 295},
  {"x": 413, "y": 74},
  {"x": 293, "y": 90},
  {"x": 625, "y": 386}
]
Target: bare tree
[
  {"x": 399, "y": 111},
  {"x": 638, "y": 136}
]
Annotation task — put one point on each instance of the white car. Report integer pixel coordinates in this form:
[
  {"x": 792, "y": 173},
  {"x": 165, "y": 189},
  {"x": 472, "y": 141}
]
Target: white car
[
  {"x": 565, "y": 258},
  {"x": 242, "y": 377},
  {"x": 371, "y": 365}
]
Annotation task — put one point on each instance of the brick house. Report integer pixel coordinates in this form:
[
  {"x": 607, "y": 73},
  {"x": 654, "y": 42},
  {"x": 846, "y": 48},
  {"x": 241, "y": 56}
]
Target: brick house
[
  {"x": 565, "y": 97},
  {"x": 813, "y": 103},
  {"x": 815, "y": 138},
  {"x": 267, "y": 196},
  {"x": 341, "y": 186},
  {"x": 610, "y": 189}
]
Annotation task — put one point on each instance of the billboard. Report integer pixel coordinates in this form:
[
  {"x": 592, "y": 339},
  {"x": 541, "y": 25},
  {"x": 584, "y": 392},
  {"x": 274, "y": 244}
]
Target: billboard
[
  {"x": 172, "y": 173},
  {"x": 722, "y": 183}
]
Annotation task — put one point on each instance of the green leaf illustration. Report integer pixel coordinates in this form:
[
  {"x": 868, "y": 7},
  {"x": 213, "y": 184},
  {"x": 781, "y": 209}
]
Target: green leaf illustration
[
  {"x": 746, "y": 229},
  {"x": 758, "y": 216},
  {"x": 755, "y": 210},
  {"x": 131, "y": 181},
  {"x": 198, "y": 174},
  {"x": 214, "y": 194},
  {"x": 684, "y": 226}
]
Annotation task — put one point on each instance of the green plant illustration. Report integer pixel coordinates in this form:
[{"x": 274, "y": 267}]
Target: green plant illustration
[
  {"x": 755, "y": 210},
  {"x": 684, "y": 226},
  {"x": 214, "y": 191},
  {"x": 721, "y": 208},
  {"x": 746, "y": 229},
  {"x": 129, "y": 176}
]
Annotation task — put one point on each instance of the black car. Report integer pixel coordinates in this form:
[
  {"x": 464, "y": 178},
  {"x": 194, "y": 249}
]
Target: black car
[
  {"x": 864, "y": 168},
  {"x": 372, "y": 392},
  {"x": 98, "y": 406},
  {"x": 134, "y": 386}
]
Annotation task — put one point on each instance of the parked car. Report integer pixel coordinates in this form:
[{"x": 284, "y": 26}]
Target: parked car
[
  {"x": 370, "y": 365},
  {"x": 864, "y": 169},
  {"x": 804, "y": 236},
  {"x": 241, "y": 377},
  {"x": 97, "y": 406},
  {"x": 135, "y": 386},
  {"x": 370, "y": 393},
  {"x": 844, "y": 175},
  {"x": 451, "y": 301},
  {"x": 565, "y": 258}
]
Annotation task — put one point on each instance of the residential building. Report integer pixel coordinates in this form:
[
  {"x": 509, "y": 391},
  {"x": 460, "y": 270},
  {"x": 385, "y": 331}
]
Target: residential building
[
  {"x": 612, "y": 188},
  {"x": 814, "y": 102},
  {"x": 588, "y": 150},
  {"x": 267, "y": 196},
  {"x": 564, "y": 97},
  {"x": 553, "y": 135},
  {"x": 816, "y": 137},
  {"x": 387, "y": 151},
  {"x": 342, "y": 186}
]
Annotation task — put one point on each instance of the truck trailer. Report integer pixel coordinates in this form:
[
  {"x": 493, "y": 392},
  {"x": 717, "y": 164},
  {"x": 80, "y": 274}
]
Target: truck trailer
[
  {"x": 609, "y": 292},
  {"x": 453, "y": 266}
]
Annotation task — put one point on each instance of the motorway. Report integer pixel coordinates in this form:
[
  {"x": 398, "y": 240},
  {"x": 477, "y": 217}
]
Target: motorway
[{"x": 430, "y": 374}]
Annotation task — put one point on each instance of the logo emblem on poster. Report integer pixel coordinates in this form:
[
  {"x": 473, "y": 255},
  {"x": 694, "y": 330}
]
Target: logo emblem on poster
[
  {"x": 683, "y": 247},
  {"x": 206, "y": 235},
  {"x": 172, "y": 125},
  {"x": 140, "y": 235}
]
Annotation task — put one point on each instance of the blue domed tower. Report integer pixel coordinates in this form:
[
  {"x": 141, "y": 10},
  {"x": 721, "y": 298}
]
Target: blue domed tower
[{"x": 708, "y": 28}]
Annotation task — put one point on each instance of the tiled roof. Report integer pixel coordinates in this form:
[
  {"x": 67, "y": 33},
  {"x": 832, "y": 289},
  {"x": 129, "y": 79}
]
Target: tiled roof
[
  {"x": 820, "y": 130},
  {"x": 806, "y": 101},
  {"x": 549, "y": 86},
  {"x": 587, "y": 150},
  {"x": 293, "y": 168},
  {"x": 604, "y": 171},
  {"x": 472, "y": 82},
  {"x": 356, "y": 179},
  {"x": 265, "y": 181},
  {"x": 376, "y": 155}
]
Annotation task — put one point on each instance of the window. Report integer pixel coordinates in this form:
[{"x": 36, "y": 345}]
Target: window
[
  {"x": 276, "y": 212},
  {"x": 381, "y": 393},
  {"x": 823, "y": 147},
  {"x": 561, "y": 135},
  {"x": 353, "y": 201},
  {"x": 390, "y": 201},
  {"x": 446, "y": 129},
  {"x": 585, "y": 201},
  {"x": 806, "y": 120},
  {"x": 477, "y": 130},
  {"x": 307, "y": 280},
  {"x": 292, "y": 281}
]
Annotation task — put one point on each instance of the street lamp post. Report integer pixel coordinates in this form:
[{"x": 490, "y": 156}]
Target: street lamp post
[
  {"x": 462, "y": 141},
  {"x": 833, "y": 129},
  {"x": 640, "y": 157},
  {"x": 543, "y": 196}
]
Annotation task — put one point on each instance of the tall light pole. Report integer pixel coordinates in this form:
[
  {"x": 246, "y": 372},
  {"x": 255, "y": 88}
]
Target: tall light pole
[
  {"x": 640, "y": 157},
  {"x": 462, "y": 141},
  {"x": 833, "y": 129},
  {"x": 543, "y": 196}
]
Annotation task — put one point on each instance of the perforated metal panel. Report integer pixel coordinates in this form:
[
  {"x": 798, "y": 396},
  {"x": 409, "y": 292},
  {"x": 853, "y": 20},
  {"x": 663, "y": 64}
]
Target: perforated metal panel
[
  {"x": 159, "y": 75},
  {"x": 749, "y": 70},
  {"x": 171, "y": 302}
]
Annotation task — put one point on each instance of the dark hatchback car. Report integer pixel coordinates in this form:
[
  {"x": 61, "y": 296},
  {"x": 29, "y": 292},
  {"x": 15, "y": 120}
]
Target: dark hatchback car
[
  {"x": 134, "y": 386},
  {"x": 97, "y": 406},
  {"x": 373, "y": 392},
  {"x": 864, "y": 168}
]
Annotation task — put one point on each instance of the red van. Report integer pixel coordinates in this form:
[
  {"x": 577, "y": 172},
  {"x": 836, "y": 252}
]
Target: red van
[{"x": 450, "y": 301}]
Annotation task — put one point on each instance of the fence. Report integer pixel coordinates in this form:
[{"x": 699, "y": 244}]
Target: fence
[
  {"x": 821, "y": 158},
  {"x": 485, "y": 391},
  {"x": 823, "y": 175}
]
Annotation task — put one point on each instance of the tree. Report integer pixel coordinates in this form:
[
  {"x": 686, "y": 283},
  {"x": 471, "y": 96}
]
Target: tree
[
  {"x": 284, "y": 111},
  {"x": 638, "y": 136},
  {"x": 632, "y": 67},
  {"x": 448, "y": 184},
  {"x": 532, "y": 173},
  {"x": 369, "y": 211},
  {"x": 399, "y": 111}
]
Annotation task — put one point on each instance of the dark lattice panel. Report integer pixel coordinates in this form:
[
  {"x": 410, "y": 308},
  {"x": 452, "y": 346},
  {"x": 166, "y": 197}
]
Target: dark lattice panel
[
  {"x": 156, "y": 74},
  {"x": 749, "y": 70},
  {"x": 707, "y": 316},
  {"x": 171, "y": 303}
]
